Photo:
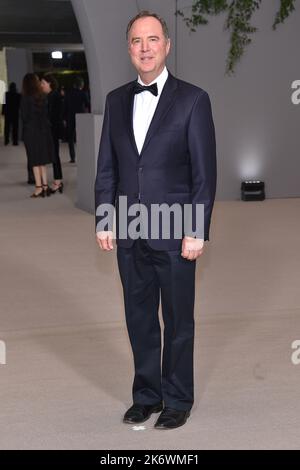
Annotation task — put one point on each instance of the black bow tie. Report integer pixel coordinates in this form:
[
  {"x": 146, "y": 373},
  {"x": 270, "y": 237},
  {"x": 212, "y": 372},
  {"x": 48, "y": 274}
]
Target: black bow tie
[{"x": 138, "y": 88}]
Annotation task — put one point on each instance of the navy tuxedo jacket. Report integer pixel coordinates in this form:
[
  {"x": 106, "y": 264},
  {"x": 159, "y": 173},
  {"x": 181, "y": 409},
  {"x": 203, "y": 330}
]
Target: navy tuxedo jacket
[{"x": 177, "y": 163}]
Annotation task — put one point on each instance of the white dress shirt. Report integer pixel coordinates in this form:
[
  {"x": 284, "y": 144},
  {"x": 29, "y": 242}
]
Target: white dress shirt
[{"x": 144, "y": 107}]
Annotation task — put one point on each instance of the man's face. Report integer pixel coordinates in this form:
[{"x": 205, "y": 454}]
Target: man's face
[{"x": 148, "y": 47}]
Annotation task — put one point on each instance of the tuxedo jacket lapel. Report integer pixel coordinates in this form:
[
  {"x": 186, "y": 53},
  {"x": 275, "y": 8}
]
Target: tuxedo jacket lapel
[
  {"x": 128, "y": 100},
  {"x": 166, "y": 99}
]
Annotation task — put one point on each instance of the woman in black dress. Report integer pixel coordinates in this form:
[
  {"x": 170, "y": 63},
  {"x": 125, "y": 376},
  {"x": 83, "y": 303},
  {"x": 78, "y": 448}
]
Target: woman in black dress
[
  {"x": 37, "y": 135},
  {"x": 55, "y": 107}
]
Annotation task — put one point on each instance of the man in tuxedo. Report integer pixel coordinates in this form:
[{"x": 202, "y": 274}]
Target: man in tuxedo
[{"x": 157, "y": 146}]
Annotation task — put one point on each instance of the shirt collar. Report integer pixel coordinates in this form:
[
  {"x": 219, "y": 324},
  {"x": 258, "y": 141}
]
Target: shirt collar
[{"x": 160, "y": 80}]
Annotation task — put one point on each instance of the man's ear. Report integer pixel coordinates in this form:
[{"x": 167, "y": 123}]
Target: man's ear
[
  {"x": 128, "y": 45},
  {"x": 168, "y": 46}
]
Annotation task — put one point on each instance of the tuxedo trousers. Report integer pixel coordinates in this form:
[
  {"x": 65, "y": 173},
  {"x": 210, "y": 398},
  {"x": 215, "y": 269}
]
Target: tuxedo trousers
[{"x": 148, "y": 276}]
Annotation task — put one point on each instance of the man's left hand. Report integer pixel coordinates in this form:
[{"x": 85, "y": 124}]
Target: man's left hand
[{"x": 192, "y": 248}]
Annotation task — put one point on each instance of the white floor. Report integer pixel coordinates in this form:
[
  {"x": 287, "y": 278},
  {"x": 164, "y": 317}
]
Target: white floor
[{"x": 68, "y": 376}]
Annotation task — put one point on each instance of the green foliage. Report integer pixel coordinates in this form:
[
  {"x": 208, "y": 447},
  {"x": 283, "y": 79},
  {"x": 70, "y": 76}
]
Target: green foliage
[
  {"x": 286, "y": 8},
  {"x": 201, "y": 7},
  {"x": 238, "y": 22}
]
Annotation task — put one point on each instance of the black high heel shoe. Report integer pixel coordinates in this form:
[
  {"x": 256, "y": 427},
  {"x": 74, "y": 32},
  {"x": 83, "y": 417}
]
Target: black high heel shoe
[
  {"x": 59, "y": 188},
  {"x": 46, "y": 190},
  {"x": 41, "y": 194}
]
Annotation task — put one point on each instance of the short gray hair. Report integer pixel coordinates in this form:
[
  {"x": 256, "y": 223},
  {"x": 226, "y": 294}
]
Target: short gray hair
[{"x": 145, "y": 14}]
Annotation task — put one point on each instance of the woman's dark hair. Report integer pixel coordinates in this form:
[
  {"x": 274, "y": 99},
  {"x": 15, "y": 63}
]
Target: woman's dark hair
[
  {"x": 31, "y": 85},
  {"x": 49, "y": 78}
]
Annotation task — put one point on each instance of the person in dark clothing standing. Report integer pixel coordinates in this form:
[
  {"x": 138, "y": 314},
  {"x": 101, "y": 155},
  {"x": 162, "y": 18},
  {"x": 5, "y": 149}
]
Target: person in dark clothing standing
[
  {"x": 50, "y": 88},
  {"x": 10, "y": 111},
  {"x": 37, "y": 135},
  {"x": 63, "y": 130},
  {"x": 76, "y": 102}
]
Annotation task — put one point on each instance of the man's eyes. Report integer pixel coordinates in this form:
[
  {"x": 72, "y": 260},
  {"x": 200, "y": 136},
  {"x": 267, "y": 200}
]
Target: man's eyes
[{"x": 136, "y": 41}]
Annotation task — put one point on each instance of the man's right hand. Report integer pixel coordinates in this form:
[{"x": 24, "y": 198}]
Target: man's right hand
[{"x": 105, "y": 240}]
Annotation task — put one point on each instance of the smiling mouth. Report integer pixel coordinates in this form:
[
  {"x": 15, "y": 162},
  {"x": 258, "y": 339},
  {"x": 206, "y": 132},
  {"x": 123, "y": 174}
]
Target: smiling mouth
[{"x": 146, "y": 59}]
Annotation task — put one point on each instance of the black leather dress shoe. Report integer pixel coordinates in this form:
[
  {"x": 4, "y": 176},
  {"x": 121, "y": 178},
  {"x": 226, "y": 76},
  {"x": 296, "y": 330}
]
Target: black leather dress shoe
[
  {"x": 170, "y": 418},
  {"x": 139, "y": 413}
]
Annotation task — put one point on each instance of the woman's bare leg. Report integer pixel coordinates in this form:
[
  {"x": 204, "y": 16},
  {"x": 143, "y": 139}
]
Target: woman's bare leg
[
  {"x": 37, "y": 179},
  {"x": 44, "y": 175}
]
